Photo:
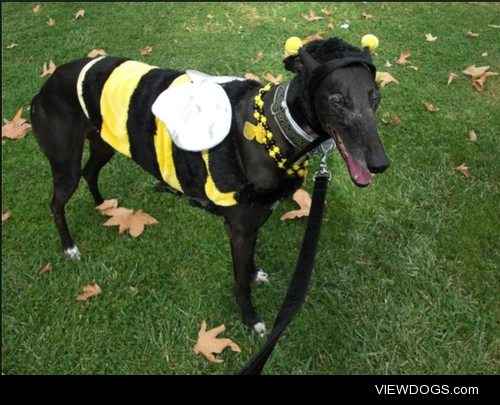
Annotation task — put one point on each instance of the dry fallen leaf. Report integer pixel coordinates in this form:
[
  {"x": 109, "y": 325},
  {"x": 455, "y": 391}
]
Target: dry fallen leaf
[
  {"x": 96, "y": 52},
  {"x": 430, "y": 38},
  {"x": 36, "y": 9},
  {"x": 388, "y": 64},
  {"x": 5, "y": 217},
  {"x": 89, "y": 291},
  {"x": 260, "y": 55},
  {"x": 413, "y": 68},
  {"x": 326, "y": 12},
  {"x": 51, "y": 22},
  {"x": 107, "y": 205},
  {"x": 127, "y": 219},
  {"x": 452, "y": 77},
  {"x": 251, "y": 76},
  {"x": 17, "y": 128},
  {"x": 208, "y": 343},
  {"x": 273, "y": 79},
  {"x": 312, "y": 16},
  {"x": 146, "y": 51},
  {"x": 330, "y": 24},
  {"x": 314, "y": 37},
  {"x": 79, "y": 14},
  {"x": 210, "y": 16},
  {"x": 12, "y": 46},
  {"x": 479, "y": 83},
  {"x": 403, "y": 58},
  {"x": 392, "y": 118},
  {"x": 464, "y": 170},
  {"x": 385, "y": 78},
  {"x": 475, "y": 72},
  {"x": 45, "y": 269},
  {"x": 472, "y": 34},
  {"x": 48, "y": 70},
  {"x": 429, "y": 107},
  {"x": 473, "y": 136},
  {"x": 367, "y": 16},
  {"x": 302, "y": 198},
  {"x": 484, "y": 54}
]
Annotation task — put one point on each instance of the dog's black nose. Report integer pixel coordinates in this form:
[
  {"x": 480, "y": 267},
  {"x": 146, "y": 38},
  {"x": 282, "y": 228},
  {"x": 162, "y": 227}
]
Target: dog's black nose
[{"x": 378, "y": 165}]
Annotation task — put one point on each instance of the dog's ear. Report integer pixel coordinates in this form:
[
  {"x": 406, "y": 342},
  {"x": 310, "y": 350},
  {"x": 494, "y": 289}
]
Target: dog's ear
[{"x": 293, "y": 64}]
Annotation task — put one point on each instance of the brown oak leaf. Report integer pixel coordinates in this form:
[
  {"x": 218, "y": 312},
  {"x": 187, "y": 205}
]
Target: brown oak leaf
[
  {"x": 79, "y": 14},
  {"x": 273, "y": 79},
  {"x": 45, "y": 269},
  {"x": 208, "y": 343},
  {"x": 452, "y": 77},
  {"x": 48, "y": 69},
  {"x": 312, "y": 16},
  {"x": 302, "y": 198},
  {"x": 5, "y": 217},
  {"x": 430, "y": 108},
  {"x": 51, "y": 22},
  {"x": 479, "y": 83},
  {"x": 430, "y": 38},
  {"x": 385, "y": 78},
  {"x": 17, "y": 128},
  {"x": 96, "y": 52},
  {"x": 392, "y": 118},
  {"x": 127, "y": 219},
  {"x": 251, "y": 76},
  {"x": 463, "y": 169},
  {"x": 89, "y": 290},
  {"x": 403, "y": 58},
  {"x": 146, "y": 51}
]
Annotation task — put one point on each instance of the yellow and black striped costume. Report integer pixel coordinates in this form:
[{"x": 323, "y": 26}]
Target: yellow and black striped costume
[{"x": 117, "y": 94}]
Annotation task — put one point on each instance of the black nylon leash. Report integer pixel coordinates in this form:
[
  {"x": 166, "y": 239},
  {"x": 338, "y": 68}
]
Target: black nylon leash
[{"x": 299, "y": 284}]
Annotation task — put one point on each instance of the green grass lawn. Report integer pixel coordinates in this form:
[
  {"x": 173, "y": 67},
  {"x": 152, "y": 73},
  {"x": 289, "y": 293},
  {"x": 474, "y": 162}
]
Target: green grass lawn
[{"x": 407, "y": 279}]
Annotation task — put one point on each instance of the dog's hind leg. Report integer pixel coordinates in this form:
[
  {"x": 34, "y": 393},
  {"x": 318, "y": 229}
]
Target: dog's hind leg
[
  {"x": 242, "y": 225},
  {"x": 60, "y": 131},
  {"x": 100, "y": 154}
]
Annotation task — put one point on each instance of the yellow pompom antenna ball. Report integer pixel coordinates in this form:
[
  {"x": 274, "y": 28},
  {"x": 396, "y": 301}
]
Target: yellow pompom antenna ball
[
  {"x": 370, "y": 41},
  {"x": 292, "y": 46}
]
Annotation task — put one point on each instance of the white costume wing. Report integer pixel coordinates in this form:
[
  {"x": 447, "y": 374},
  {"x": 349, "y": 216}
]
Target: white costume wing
[{"x": 198, "y": 115}]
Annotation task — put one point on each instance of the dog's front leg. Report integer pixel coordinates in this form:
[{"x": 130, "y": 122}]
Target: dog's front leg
[{"x": 242, "y": 225}]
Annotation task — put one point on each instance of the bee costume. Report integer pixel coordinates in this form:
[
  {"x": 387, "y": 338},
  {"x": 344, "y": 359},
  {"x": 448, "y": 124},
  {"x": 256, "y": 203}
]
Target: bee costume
[{"x": 178, "y": 126}]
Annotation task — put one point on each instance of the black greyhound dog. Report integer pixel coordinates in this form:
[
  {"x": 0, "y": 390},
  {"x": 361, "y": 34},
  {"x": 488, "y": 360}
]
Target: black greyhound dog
[{"x": 241, "y": 176}]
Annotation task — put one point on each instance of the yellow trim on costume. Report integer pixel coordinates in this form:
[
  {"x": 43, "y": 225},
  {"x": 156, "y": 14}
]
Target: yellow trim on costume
[
  {"x": 163, "y": 146},
  {"x": 214, "y": 195},
  {"x": 115, "y": 102},
  {"x": 79, "y": 84}
]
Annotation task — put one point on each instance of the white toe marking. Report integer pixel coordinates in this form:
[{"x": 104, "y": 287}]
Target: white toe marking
[
  {"x": 262, "y": 277},
  {"x": 260, "y": 329},
  {"x": 73, "y": 253}
]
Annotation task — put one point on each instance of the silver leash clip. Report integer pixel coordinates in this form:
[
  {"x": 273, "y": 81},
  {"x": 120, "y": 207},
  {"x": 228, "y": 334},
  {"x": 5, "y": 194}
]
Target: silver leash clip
[{"x": 323, "y": 170}]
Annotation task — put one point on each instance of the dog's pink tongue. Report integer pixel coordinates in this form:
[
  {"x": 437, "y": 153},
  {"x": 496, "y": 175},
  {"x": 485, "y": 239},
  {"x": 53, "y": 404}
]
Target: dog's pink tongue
[{"x": 359, "y": 174}]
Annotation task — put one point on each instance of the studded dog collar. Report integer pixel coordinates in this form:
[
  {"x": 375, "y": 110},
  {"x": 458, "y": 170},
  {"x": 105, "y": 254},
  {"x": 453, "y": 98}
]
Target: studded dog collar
[{"x": 289, "y": 128}]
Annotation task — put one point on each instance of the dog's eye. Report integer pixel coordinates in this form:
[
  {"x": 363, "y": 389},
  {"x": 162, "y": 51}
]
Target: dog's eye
[
  {"x": 375, "y": 97},
  {"x": 337, "y": 99}
]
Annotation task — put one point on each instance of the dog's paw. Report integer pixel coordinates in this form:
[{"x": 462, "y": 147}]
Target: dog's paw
[
  {"x": 73, "y": 253},
  {"x": 261, "y": 277},
  {"x": 260, "y": 329}
]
